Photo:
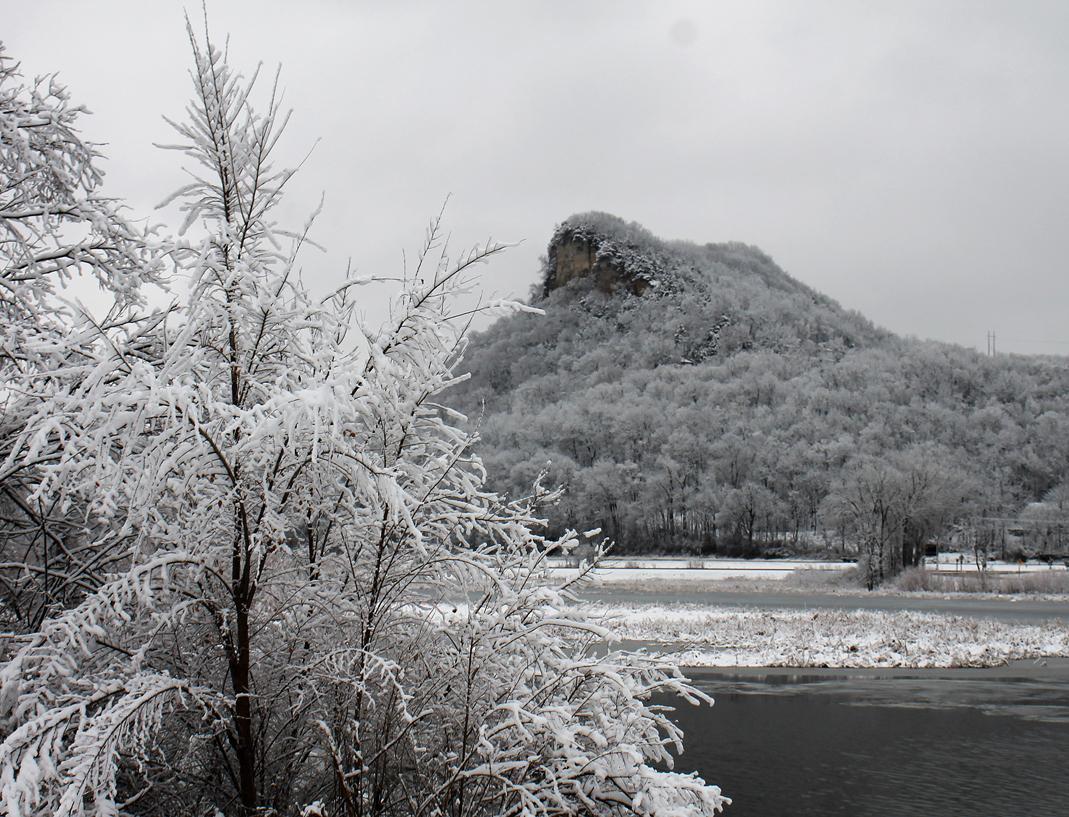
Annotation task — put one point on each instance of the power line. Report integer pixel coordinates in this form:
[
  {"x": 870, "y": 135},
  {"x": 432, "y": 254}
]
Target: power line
[{"x": 992, "y": 346}]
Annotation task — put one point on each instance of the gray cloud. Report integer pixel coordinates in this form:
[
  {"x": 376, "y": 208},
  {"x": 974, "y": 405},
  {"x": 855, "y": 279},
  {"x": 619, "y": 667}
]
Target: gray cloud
[{"x": 908, "y": 159}]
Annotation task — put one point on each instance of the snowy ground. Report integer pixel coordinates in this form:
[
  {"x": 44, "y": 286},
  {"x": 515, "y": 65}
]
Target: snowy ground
[
  {"x": 623, "y": 569},
  {"x": 661, "y": 575},
  {"x": 620, "y": 571},
  {"x": 949, "y": 563},
  {"x": 749, "y": 637}
]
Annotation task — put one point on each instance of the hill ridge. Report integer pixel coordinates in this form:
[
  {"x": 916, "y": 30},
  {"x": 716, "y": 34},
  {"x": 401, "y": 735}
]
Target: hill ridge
[{"x": 697, "y": 397}]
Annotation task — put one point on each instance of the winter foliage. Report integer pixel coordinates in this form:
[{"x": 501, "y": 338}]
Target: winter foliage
[
  {"x": 733, "y": 410},
  {"x": 55, "y": 225},
  {"x": 250, "y": 564}
]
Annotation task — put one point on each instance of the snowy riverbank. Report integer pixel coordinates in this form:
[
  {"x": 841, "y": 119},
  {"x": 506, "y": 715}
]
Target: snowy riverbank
[
  {"x": 945, "y": 574},
  {"x": 749, "y": 637}
]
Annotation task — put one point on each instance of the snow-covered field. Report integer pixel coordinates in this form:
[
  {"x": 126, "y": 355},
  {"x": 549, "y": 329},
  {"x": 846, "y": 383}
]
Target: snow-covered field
[
  {"x": 618, "y": 571},
  {"x": 749, "y": 637},
  {"x": 659, "y": 572},
  {"x": 948, "y": 563}
]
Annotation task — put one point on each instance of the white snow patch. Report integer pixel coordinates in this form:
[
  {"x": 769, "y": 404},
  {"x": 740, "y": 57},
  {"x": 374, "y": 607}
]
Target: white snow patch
[
  {"x": 661, "y": 571},
  {"x": 749, "y": 637}
]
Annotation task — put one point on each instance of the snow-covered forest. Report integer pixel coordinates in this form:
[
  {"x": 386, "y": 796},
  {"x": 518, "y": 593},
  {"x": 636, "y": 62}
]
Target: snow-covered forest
[
  {"x": 249, "y": 563},
  {"x": 696, "y": 398}
]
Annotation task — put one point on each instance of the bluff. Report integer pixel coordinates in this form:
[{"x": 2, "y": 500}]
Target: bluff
[{"x": 696, "y": 397}]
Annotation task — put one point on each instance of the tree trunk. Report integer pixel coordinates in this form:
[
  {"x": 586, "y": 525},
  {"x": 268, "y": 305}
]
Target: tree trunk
[{"x": 246, "y": 754}]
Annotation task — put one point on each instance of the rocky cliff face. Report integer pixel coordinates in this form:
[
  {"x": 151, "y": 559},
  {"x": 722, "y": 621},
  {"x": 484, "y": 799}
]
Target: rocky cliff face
[
  {"x": 572, "y": 257},
  {"x": 612, "y": 253}
]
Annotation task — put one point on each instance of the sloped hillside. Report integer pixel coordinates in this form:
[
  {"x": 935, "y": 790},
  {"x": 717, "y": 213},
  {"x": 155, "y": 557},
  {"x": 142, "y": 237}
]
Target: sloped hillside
[{"x": 696, "y": 397}]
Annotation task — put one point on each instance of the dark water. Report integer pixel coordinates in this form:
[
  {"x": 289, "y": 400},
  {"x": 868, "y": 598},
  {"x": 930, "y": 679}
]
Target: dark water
[{"x": 794, "y": 744}]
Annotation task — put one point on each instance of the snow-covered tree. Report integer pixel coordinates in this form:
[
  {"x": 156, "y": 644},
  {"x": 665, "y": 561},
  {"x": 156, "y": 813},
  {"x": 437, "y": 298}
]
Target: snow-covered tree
[
  {"x": 55, "y": 226},
  {"x": 305, "y": 601},
  {"x": 892, "y": 506}
]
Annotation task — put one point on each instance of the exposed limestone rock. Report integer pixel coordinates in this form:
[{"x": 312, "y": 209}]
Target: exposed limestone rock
[
  {"x": 577, "y": 258},
  {"x": 615, "y": 255}
]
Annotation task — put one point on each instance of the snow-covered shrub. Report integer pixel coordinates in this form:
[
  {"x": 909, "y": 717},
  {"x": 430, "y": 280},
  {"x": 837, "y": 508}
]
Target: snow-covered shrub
[
  {"x": 913, "y": 579},
  {"x": 304, "y": 598}
]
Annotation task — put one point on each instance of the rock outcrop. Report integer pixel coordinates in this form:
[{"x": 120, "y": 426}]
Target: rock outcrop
[{"x": 615, "y": 255}]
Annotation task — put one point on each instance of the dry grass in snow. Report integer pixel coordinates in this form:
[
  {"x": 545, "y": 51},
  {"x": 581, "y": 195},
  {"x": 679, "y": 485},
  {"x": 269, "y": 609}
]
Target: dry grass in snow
[{"x": 748, "y": 637}]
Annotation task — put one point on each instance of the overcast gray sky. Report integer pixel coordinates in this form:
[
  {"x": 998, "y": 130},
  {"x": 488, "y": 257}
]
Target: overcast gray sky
[{"x": 910, "y": 159}]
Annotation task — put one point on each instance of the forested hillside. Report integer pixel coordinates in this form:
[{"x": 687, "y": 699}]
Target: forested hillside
[{"x": 698, "y": 398}]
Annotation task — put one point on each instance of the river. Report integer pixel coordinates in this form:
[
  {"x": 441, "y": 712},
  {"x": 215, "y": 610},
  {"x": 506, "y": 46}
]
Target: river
[
  {"x": 884, "y": 743},
  {"x": 879, "y": 743}
]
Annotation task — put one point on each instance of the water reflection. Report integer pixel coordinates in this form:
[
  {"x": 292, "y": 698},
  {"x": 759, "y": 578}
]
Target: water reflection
[
  {"x": 866, "y": 745},
  {"x": 1030, "y": 699}
]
